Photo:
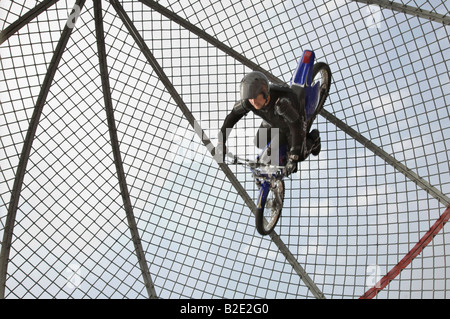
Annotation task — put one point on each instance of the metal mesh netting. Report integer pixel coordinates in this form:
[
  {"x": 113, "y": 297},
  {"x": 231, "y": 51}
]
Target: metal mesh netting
[{"x": 151, "y": 214}]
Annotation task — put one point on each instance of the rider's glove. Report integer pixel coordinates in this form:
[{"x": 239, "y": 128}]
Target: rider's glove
[{"x": 291, "y": 166}]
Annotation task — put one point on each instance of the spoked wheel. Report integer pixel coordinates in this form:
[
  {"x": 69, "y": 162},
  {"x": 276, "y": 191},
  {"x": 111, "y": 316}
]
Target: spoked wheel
[
  {"x": 267, "y": 215},
  {"x": 321, "y": 74}
]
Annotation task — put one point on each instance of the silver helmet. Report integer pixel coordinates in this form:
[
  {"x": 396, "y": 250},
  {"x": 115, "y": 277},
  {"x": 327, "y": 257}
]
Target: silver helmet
[{"x": 253, "y": 84}]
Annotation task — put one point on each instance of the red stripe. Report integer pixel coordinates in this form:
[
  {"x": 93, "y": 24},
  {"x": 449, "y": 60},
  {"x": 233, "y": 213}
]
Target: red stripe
[{"x": 413, "y": 253}]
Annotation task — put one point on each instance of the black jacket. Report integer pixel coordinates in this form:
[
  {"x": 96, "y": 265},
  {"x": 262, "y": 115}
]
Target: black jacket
[{"x": 289, "y": 125}]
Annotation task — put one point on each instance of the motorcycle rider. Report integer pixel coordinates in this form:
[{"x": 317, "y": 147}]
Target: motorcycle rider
[{"x": 277, "y": 105}]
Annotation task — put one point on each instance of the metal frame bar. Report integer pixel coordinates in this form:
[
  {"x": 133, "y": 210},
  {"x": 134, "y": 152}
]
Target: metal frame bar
[
  {"x": 23, "y": 20},
  {"x": 441, "y": 18},
  {"x": 187, "y": 113},
  {"x": 98, "y": 15},
  {"x": 430, "y": 189},
  {"x": 28, "y": 142}
]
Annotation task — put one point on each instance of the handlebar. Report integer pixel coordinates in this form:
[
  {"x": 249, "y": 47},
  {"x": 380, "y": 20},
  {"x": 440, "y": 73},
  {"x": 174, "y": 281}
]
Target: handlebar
[{"x": 255, "y": 164}]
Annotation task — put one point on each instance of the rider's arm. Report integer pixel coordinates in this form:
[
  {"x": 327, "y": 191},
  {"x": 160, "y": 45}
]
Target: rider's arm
[{"x": 239, "y": 110}]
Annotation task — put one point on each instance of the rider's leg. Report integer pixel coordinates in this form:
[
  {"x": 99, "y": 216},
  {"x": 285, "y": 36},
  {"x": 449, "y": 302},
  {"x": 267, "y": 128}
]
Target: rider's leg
[
  {"x": 276, "y": 153},
  {"x": 263, "y": 135}
]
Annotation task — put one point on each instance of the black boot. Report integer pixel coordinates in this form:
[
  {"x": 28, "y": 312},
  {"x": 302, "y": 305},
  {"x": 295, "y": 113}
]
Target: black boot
[{"x": 313, "y": 142}]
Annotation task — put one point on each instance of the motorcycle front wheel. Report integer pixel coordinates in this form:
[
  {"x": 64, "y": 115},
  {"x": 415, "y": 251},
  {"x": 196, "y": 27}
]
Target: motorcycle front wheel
[{"x": 269, "y": 206}]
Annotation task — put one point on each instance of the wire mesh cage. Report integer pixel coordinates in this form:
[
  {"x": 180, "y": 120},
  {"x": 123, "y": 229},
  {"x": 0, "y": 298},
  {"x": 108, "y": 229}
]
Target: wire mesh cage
[{"x": 110, "y": 110}]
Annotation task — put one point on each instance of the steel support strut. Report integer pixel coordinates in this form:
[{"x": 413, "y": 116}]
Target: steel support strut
[
  {"x": 23, "y": 20},
  {"x": 98, "y": 14},
  {"x": 441, "y": 18},
  {"x": 28, "y": 142}
]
